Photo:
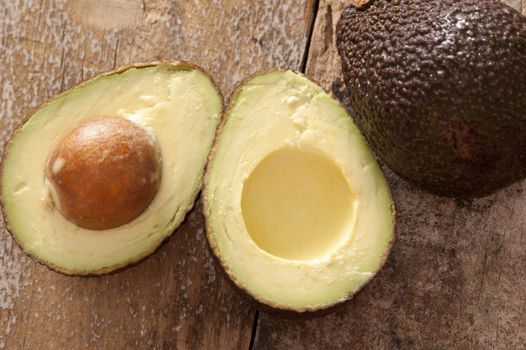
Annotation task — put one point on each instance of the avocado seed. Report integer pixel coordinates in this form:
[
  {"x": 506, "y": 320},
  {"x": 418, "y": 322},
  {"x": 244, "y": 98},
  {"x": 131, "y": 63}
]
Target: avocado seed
[{"x": 104, "y": 173}]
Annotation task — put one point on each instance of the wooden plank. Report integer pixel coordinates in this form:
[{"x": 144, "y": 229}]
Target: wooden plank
[
  {"x": 456, "y": 277},
  {"x": 177, "y": 297}
]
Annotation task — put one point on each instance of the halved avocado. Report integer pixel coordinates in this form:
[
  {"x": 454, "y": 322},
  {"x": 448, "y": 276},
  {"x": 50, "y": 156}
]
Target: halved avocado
[
  {"x": 298, "y": 212},
  {"x": 100, "y": 175}
]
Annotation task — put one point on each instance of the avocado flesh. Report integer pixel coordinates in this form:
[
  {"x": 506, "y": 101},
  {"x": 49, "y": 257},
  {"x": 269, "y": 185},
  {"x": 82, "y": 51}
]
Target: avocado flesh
[
  {"x": 177, "y": 102},
  {"x": 298, "y": 211},
  {"x": 296, "y": 204},
  {"x": 439, "y": 90}
]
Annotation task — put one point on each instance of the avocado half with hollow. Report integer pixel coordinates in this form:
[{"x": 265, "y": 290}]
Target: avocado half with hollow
[
  {"x": 100, "y": 175},
  {"x": 298, "y": 212},
  {"x": 438, "y": 88}
]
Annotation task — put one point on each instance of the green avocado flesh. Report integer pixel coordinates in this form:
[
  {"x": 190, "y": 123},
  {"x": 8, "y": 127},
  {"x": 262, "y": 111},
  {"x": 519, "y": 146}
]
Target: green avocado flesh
[
  {"x": 298, "y": 211},
  {"x": 176, "y": 102},
  {"x": 438, "y": 88}
]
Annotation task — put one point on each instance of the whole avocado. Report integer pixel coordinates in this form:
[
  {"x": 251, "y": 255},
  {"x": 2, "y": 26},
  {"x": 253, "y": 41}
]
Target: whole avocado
[{"x": 438, "y": 87}]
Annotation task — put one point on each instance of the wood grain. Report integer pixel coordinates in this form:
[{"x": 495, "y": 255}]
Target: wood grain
[
  {"x": 176, "y": 298},
  {"x": 456, "y": 277}
]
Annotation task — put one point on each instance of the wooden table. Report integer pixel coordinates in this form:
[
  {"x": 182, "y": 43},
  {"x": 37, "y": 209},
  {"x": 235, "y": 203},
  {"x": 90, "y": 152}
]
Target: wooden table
[{"x": 455, "y": 280}]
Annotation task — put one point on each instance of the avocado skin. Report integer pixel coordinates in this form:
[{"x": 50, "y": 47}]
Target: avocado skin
[{"x": 438, "y": 87}]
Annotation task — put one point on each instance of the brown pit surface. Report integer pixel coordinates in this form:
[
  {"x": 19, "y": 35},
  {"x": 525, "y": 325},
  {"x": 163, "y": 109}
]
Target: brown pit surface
[{"x": 104, "y": 173}]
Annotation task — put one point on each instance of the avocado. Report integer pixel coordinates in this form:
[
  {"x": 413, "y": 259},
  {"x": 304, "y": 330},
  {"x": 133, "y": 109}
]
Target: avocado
[
  {"x": 100, "y": 175},
  {"x": 298, "y": 212},
  {"x": 439, "y": 90}
]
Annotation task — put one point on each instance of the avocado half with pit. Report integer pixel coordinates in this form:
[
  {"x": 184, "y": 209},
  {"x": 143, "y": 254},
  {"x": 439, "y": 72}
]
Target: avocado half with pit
[
  {"x": 298, "y": 212},
  {"x": 100, "y": 175}
]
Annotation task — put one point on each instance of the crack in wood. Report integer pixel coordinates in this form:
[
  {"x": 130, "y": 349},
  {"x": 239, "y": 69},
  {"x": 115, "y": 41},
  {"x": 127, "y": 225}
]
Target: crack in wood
[{"x": 310, "y": 31}]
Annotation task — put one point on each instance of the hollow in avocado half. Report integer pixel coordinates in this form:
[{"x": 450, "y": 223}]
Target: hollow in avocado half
[
  {"x": 298, "y": 212},
  {"x": 100, "y": 175}
]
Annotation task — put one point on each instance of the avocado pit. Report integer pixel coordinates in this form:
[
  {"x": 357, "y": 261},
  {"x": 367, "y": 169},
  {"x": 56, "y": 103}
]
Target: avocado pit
[{"x": 104, "y": 173}]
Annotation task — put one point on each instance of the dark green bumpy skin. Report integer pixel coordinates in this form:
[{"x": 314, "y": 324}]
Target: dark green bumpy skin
[{"x": 438, "y": 88}]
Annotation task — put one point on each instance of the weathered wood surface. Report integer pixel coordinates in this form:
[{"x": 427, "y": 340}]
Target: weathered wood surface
[
  {"x": 177, "y": 297},
  {"x": 456, "y": 278}
]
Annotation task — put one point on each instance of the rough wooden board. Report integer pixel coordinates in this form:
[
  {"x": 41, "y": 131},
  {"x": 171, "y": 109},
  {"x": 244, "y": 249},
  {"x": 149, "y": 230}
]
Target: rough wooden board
[
  {"x": 456, "y": 278},
  {"x": 176, "y": 297}
]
